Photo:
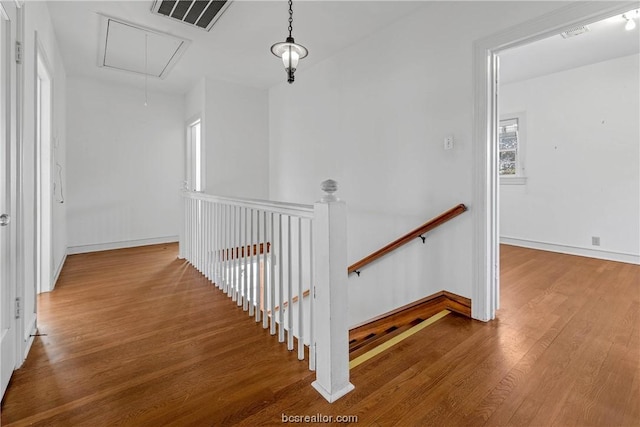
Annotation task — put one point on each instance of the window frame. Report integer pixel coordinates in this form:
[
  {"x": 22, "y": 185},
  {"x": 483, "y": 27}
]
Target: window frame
[{"x": 519, "y": 178}]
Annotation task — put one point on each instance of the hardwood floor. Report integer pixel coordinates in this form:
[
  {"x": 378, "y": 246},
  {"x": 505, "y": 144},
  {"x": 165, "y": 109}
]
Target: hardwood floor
[{"x": 137, "y": 337}]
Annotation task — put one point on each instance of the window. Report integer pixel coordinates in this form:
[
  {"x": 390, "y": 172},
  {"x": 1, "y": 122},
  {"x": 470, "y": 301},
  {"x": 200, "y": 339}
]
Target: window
[
  {"x": 195, "y": 156},
  {"x": 511, "y": 149}
]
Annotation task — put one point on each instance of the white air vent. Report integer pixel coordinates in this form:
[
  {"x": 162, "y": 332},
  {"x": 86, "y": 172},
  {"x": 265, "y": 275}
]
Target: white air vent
[
  {"x": 129, "y": 47},
  {"x": 575, "y": 31},
  {"x": 196, "y": 13}
]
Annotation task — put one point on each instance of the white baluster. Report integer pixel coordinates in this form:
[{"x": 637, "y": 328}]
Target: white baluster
[
  {"x": 206, "y": 237},
  {"x": 232, "y": 242},
  {"x": 272, "y": 277},
  {"x": 194, "y": 234},
  {"x": 245, "y": 273},
  {"x": 219, "y": 245},
  {"x": 183, "y": 223},
  {"x": 191, "y": 227},
  {"x": 199, "y": 235},
  {"x": 251, "y": 262},
  {"x": 265, "y": 284},
  {"x": 239, "y": 258},
  {"x": 227, "y": 270},
  {"x": 216, "y": 251},
  {"x": 280, "y": 282},
  {"x": 229, "y": 250},
  {"x": 312, "y": 338},
  {"x": 289, "y": 287},
  {"x": 187, "y": 229},
  {"x": 300, "y": 295},
  {"x": 256, "y": 266}
]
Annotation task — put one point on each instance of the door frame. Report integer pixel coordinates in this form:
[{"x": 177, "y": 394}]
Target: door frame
[
  {"x": 43, "y": 167},
  {"x": 486, "y": 243},
  {"x": 9, "y": 272}
]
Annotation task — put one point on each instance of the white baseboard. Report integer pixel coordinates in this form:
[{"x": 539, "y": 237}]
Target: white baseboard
[
  {"x": 29, "y": 336},
  {"x": 56, "y": 276},
  {"x": 81, "y": 249},
  {"x": 573, "y": 250}
]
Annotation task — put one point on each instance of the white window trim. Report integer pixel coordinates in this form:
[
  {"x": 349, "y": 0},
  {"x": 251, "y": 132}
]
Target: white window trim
[{"x": 520, "y": 177}]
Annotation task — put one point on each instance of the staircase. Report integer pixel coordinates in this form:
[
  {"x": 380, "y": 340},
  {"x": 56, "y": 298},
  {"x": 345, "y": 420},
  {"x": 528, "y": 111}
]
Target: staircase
[{"x": 377, "y": 335}]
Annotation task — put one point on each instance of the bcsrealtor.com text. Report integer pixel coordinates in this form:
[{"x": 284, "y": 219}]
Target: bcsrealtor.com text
[{"x": 319, "y": 418}]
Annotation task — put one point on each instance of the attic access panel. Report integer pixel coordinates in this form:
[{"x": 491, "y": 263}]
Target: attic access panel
[
  {"x": 197, "y": 13},
  {"x": 130, "y": 47}
]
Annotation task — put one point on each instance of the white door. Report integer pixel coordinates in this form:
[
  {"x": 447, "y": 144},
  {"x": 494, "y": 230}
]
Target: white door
[{"x": 8, "y": 259}]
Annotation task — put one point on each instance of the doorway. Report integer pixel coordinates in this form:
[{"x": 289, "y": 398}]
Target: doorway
[{"x": 486, "y": 286}]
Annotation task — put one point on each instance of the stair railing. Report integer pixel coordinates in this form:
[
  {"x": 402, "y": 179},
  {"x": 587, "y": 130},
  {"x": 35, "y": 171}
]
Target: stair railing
[{"x": 267, "y": 256}]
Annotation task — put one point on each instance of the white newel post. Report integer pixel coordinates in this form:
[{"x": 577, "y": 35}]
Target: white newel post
[{"x": 330, "y": 289}]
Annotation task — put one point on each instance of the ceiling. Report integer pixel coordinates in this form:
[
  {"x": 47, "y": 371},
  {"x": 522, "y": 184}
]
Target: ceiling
[
  {"x": 605, "y": 40},
  {"x": 237, "y": 47}
]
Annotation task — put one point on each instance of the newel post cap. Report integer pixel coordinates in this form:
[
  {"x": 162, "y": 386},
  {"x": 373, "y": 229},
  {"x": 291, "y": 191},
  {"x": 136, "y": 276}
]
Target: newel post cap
[{"x": 329, "y": 186}]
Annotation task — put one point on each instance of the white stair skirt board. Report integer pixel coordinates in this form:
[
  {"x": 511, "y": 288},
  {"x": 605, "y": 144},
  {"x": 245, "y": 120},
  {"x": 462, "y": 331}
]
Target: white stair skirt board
[
  {"x": 572, "y": 250},
  {"x": 120, "y": 245}
]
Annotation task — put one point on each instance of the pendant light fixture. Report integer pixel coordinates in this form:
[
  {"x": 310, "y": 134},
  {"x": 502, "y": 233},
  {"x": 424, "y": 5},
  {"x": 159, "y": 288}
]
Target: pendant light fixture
[{"x": 289, "y": 50}]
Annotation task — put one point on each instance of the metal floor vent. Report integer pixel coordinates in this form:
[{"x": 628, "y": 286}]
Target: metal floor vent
[
  {"x": 196, "y": 13},
  {"x": 575, "y": 31}
]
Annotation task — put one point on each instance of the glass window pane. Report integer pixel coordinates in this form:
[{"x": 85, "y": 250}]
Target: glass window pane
[
  {"x": 508, "y": 146},
  {"x": 507, "y": 168},
  {"x": 508, "y": 156},
  {"x": 508, "y": 141}
]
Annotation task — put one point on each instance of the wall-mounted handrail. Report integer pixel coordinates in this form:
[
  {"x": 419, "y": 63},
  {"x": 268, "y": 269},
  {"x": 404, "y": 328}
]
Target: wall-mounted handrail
[{"x": 418, "y": 232}]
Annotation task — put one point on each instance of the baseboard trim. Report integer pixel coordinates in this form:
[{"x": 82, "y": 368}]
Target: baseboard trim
[
  {"x": 81, "y": 249},
  {"x": 56, "y": 276},
  {"x": 572, "y": 250}
]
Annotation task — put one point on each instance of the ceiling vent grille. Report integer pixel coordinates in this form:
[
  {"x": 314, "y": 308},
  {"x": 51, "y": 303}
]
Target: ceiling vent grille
[
  {"x": 196, "y": 13},
  {"x": 575, "y": 31}
]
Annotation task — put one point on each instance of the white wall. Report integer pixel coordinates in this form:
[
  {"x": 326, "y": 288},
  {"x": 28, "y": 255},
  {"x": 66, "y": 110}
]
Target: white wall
[
  {"x": 125, "y": 165},
  {"x": 582, "y": 162},
  {"x": 37, "y": 21},
  {"x": 373, "y": 117},
  {"x": 237, "y": 140}
]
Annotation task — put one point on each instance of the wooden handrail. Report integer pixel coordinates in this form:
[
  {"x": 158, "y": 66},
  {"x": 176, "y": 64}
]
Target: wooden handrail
[{"x": 418, "y": 232}]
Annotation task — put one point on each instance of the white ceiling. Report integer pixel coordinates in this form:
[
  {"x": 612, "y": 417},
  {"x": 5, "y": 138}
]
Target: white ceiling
[
  {"x": 606, "y": 40},
  {"x": 237, "y": 47}
]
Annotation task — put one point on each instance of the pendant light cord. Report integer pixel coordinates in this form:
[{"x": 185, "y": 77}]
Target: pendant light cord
[
  {"x": 146, "y": 73},
  {"x": 290, "y": 17}
]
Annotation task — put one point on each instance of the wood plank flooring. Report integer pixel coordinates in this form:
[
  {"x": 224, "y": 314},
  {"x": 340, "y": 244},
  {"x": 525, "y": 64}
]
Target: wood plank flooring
[{"x": 137, "y": 337}]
